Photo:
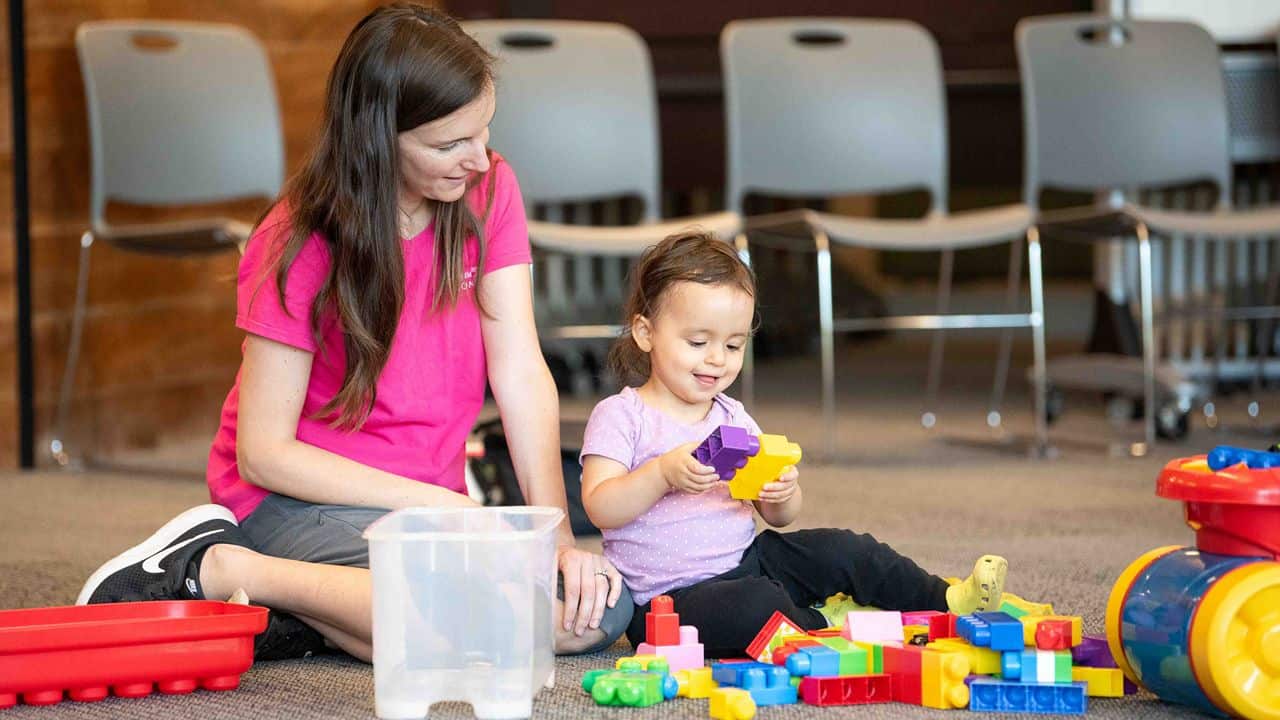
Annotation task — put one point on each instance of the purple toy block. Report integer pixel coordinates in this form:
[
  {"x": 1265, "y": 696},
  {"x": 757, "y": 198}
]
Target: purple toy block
[
  {"x": 1092, "y": 652},
  {"x": 727, "y": 449}
]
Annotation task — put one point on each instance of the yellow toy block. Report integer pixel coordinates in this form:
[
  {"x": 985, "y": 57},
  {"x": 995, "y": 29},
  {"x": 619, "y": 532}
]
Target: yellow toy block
[
  {"x": 942, "y": 677},
  {"x": 644, "y": 661},
  {"x": 729, "y": 703},
  {"x": 1100, "y": 682},
  {"x": 776, "y": 453},
  {"x": 982, "y": 661},
  {"x": 695, "y": 682},
  {"x": 910, "y": 631},
  {"x": 1030, "y": 622}
]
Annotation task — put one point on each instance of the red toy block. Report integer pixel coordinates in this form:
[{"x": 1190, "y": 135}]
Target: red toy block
[
  {"x": 661, "y": 623},
  {"x": 942, "y": 626},
  {"x": 781, "y": 654},
  {"x": 849, "y": 690},
  {"x": 825, "y": 632},
  {"x": 1053, "y": 635},
  {"x": 771, "y": 636},
  {"x": 906, "y": 665}
]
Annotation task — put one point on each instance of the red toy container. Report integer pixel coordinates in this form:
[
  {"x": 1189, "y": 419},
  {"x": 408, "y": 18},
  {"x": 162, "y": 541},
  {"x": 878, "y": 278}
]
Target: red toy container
[
  {"x": 124, "y": 648},
  {"x": 1234, "y": 511}
]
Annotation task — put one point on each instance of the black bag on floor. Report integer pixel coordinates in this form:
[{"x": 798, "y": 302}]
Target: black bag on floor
[{"x": 496, "y": 473}]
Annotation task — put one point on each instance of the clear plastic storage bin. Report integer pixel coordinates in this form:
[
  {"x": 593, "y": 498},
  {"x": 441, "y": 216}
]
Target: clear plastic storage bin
[{"x": 462, "y": 608}]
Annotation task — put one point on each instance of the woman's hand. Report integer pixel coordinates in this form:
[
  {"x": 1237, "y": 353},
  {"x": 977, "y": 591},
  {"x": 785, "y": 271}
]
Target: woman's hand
[
  {"x": 783, "y": 489},
  {"x": 683, "y": 472},
  {"x": 590, "y": 584}
]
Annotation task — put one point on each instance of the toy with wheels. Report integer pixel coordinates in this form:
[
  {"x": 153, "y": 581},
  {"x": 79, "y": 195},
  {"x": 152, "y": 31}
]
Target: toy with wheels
[{"x": 1201, "y": 626}]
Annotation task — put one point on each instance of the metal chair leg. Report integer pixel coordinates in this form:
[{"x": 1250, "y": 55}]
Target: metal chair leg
[
  {"x": 946, "y": 270},
  {"x": 1005, "y": 355},
  {"x": 749, "y": 359},
  {"x": 826, "y": 324},
  {"x": 57, "y": 444},
  {"x": 1039, "y": 368},
  {"x": 1148, "y": 341}
]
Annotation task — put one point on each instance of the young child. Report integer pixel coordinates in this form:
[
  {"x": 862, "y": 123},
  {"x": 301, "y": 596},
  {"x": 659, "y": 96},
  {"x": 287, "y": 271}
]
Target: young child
[{"x": 670, "y": 525}]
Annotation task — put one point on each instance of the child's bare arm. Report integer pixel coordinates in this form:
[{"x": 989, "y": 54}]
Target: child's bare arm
[
  {"x": 614, "y": 497},
  {"x": 780, "y": 500}
]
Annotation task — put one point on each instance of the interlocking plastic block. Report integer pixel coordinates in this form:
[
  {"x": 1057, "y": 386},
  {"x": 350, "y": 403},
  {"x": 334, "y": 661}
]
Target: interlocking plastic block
[
  {"x": 982, "y": 661},
  {"x": 727, "y": 449},
  {"x": 859, "y": 690},
  {"x": 989, "y": 695},
  {"x": 731, "y": 704},
  {"x": 695, "y": 682},
  {"x": 815, "y": 661},
  {"x": 125, "y": 649},
  {"x": 853, "y": 658},
  {"x": 1100, "y": 682},
  {"x": 778, "y": 628},
  {"x": 1044, "y": 666},
  {"x": 1093, "y": 651},
  {"x": 769, "y": 686},
  {"x": 631, "y": 687},
  {"x": 942, "y": 625},
  {"x": 776, "y": 453},
  {"x": 661, "y": 623},
  {"x": 905, "y": 665},
  {"x": 1224, "y": 456},
  {"x": 874, "y": 627},
  {"x": 826, "y": 632},
  {"x": 995, "y": 630},
  {"x": 920, "y": 617},
  {"x": 643, "y": 661},
  {"x": 729, "y": 672},
  {"x": 1064, "y": 629},
  {"x": 687, "y": 654},
  {"x": 911, "y": 632},
  {"x": 1015, "y": 606},
  {"x": 875, "y": 656},
  {"x": 942, "y": 680}
]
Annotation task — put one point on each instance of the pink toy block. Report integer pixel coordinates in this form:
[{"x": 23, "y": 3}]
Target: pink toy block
[
  {"x": 919, "y": 617},
  {"x": 687, "y": 655},
  {"x": 873, "y": 627}
]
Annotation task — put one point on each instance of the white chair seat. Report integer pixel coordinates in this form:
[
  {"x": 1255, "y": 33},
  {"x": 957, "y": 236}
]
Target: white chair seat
[
  {"x": 975, "y": 228},
  {"x": 1218, "y": 223},
  {"x": 626, "y": 240}
]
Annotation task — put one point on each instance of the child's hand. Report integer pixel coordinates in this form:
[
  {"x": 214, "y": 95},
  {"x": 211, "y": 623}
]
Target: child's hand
[
  {"x": 683, "y": 472},
  {"x": 782, "y": 489}
]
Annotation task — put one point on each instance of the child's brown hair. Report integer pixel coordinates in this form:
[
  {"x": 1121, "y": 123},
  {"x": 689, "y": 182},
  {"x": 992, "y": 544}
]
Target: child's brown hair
[{"x": 688, "y": 256}]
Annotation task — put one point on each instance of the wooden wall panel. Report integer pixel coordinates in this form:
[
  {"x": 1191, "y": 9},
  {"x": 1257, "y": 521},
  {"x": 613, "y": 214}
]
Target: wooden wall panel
[{"x": 160, "y": 347}]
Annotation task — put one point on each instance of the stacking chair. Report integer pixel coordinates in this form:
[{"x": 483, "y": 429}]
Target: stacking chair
[
  {"x": 1113, "y": 108},
  {"x": 824, "y": 107},
  {"x": 180, "y": 114},
  {"x": 577, "y": 118}
]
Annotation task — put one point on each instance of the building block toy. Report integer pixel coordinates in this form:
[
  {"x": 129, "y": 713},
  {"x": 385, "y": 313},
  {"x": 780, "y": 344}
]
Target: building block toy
[
  {"x": 1043, "y": 666},
  {"x": 905, "y": 665},
  {"x": 1100, "y": 682},
  {"x": 991, "y": 695},
  {"x": 695, "y": 682},
  {"x": 982, "y": 661},
  {"x": 873, "y": 627},
  {"x": 1015, "y": 606},
  {"x": 1072, "y": 634},
  {"x": 915, "y": 634},
  {"x": 688, "y": 653},
  {"x": 769, "y": 686},
  {"x": 631, "y": 687},
  {"x": 776, "y": 453},
  {"x": 859, "y": 690},
  {"x": 731, "y": 704},
  {"x": 1224, "y": 456},
  {"x": 853, "y": 658},
  {"x": 815, "y": 661},
  {"x": 1092, "y": 652},
  {"x": 826, "y": 632},
  {"x": 775, "y": 631},
  {"x": 780, "y": 655},
  {"x": 875, "y": 656},
  {"x": 727, "y": 449},
  {"x": 729, "y": 672},
  {"x": 126, "y": 649},
  {"x": 656, "y": 663},
  {"x": 995, "y": 630},
  {"x": 1198, "y": 626},
  {"x": 661, "y": 623},
  {"x": 920, "y": 617},
  {"x": 942, "y": 680},
  {"x": 942, "y": 625}
]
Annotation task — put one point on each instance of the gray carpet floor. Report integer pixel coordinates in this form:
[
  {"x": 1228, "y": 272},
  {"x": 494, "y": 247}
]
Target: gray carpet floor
[{"x": 1068, "y": 527}]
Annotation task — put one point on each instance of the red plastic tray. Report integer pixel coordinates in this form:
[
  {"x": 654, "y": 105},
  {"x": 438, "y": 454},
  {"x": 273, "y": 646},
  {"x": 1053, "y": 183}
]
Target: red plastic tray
[{"x": 128, "y": 649}]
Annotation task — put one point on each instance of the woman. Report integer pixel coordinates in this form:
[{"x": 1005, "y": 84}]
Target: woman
[{"x": 386, "y": 285}]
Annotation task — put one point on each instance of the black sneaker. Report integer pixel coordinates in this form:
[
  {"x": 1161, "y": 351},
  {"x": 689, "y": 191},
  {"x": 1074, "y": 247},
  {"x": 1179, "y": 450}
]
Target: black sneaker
[
  {"x": 287, "y": 637},
  {"x": 165, "y": 566}
]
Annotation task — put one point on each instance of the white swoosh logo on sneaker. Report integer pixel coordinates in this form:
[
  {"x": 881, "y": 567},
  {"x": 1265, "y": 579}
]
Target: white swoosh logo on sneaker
[{"x": 152, "y": 564}]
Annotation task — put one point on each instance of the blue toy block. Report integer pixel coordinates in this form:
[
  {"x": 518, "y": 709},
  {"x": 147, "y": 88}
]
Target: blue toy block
[
  {"x": 730, "y": 673},
  {"x": 1224, "y": 456},
  {"x": 771, "y": 686},
  {"x": 990, "y": 695},
  {"x": 814, "y": 661},
  {"x": 996, "y": 630}
]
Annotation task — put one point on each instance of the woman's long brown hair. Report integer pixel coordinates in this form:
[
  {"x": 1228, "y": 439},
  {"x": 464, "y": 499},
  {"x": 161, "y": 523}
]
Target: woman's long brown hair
[{"x": 402, "y": 66}]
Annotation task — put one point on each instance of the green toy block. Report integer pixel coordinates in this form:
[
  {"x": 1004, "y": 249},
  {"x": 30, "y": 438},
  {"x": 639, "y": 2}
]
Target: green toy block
[
  {"x": 1062, "y": 666},
  {"x": 853, "y": 659},
  {"x": 1012, "y": 610},
  {"x": 628, "y": 688}
]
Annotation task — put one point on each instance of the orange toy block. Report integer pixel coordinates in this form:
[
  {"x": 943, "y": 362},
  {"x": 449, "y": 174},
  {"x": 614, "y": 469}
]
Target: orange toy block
[
  {"x": 776, "y": 453},
  {"x": 942, "y": 680},
  {"x": 661, "y": 623}
]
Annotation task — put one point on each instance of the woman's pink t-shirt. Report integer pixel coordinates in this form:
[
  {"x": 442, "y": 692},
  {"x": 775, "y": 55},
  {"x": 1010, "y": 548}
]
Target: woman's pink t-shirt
[{"x": 432, "y": 388}]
